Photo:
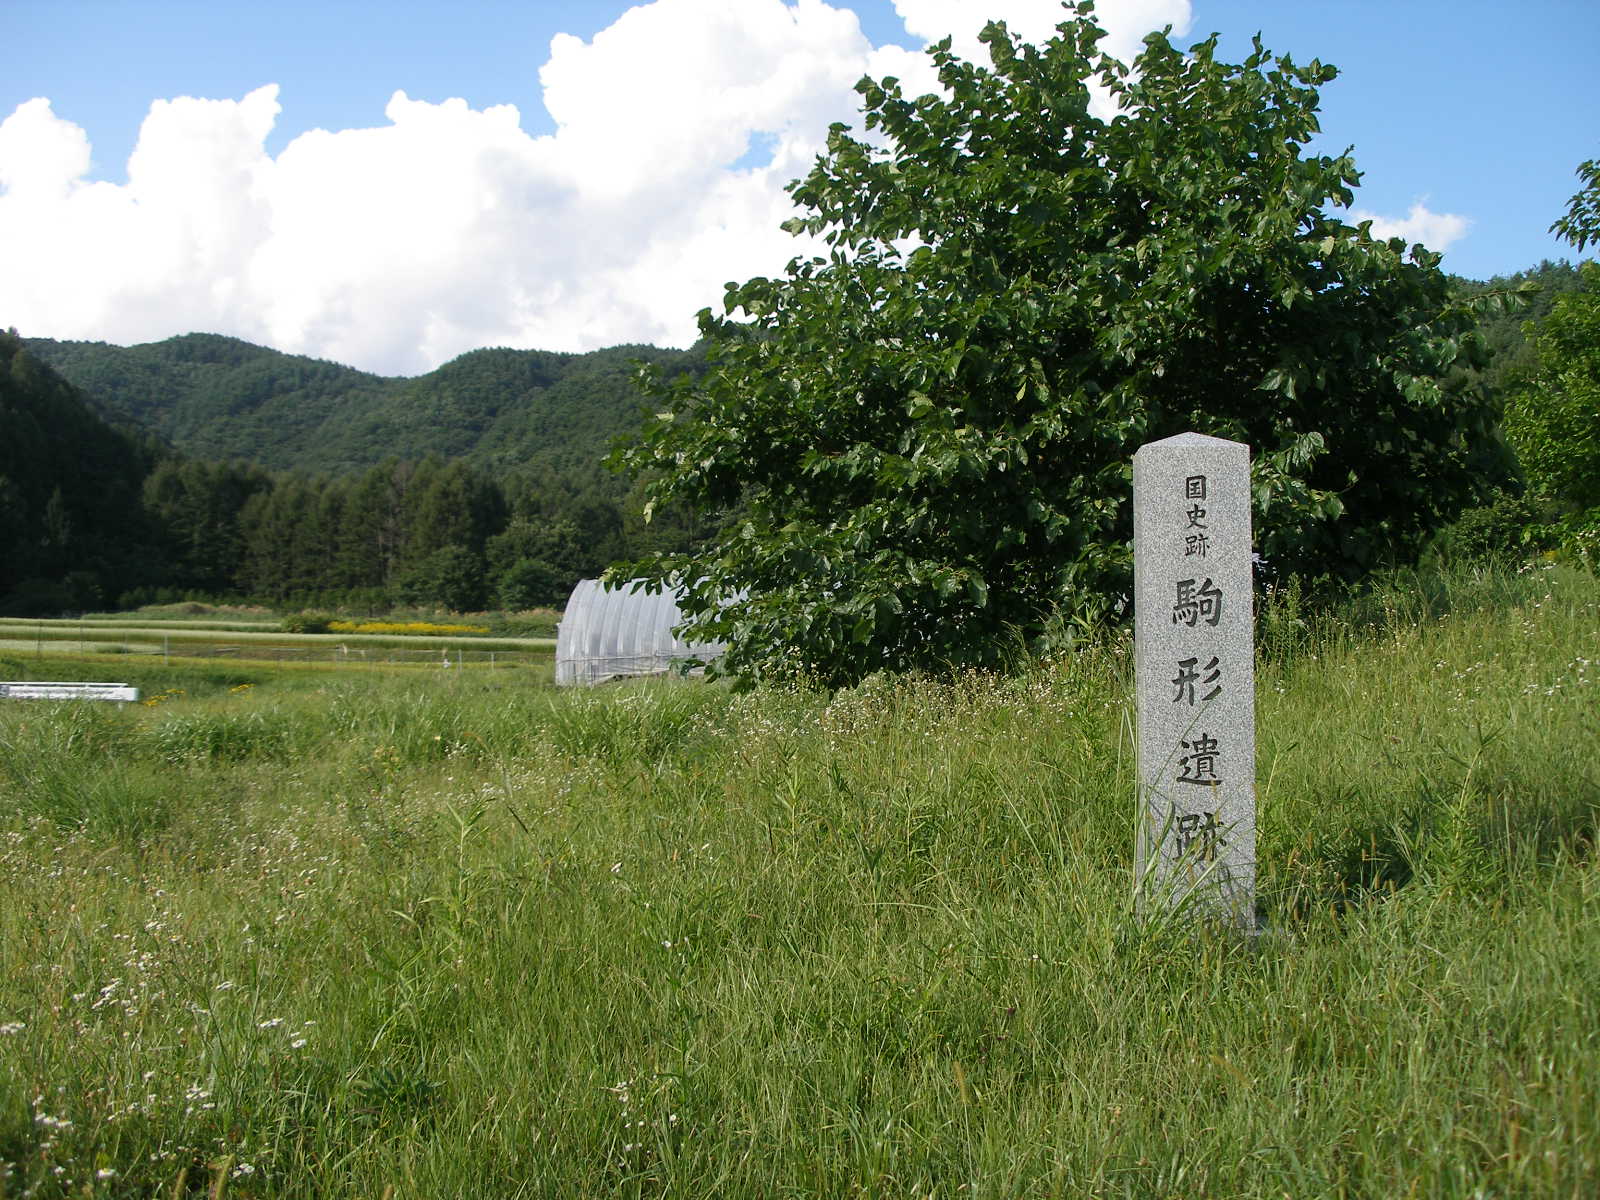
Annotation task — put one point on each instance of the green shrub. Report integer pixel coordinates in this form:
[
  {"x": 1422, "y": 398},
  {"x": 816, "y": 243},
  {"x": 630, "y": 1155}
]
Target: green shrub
[
  {"x": 305, "y": 622},
  {"x": 1577, "y": 537},
  {"x": 1508, "y": 527}
]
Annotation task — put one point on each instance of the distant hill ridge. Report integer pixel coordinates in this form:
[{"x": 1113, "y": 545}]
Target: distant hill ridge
[{"x": 217, "y": 397}]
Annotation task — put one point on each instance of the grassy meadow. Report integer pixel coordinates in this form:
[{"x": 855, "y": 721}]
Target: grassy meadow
[{"x": 280, "y": 932}]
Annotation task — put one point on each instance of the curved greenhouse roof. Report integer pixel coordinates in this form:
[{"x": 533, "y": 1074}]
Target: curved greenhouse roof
[{"x": 610, "y": 632}]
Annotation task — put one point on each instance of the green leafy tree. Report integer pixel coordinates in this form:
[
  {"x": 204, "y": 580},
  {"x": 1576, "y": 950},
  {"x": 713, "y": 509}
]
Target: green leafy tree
[
  {"x": 1512, "y": 305},
  {"x": 921, "y": 442},
  {"x": 1554, "y": 423},
  {"x": 537, "y": 562},
  {"x": 1553, "y": 415},
  {"x": 532, "y": 583},
  {"x": 14, "y": 524},
  {"x": 450, "y": 577},
  {"x": 454, "y": 507},
  {"x": 285, "y": 545},
  {"x": 1580, "y": 224}
]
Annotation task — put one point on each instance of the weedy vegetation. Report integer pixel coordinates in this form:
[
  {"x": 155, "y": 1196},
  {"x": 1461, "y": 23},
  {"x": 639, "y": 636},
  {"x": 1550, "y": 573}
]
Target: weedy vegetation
[{"x": 285, "y": 933}]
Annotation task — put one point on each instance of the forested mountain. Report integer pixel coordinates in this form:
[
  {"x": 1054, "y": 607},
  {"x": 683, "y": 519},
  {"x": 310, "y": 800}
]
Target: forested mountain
[
  {"x": 215, "y": 397},
  {"x": 479, "y": 483},
  {"x": 70, "y": 513}
]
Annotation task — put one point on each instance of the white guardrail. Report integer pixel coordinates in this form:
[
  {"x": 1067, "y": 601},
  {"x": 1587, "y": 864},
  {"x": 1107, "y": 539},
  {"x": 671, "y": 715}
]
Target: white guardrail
[{"x": 51, "y": 690}]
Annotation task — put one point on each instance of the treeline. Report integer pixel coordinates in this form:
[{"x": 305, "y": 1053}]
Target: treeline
[{"x": 431, "y": 533}]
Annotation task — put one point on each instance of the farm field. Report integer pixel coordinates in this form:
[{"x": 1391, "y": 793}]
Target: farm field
[
  {"x": 283, "y": 931},
  {"x": 36, "y": 639},
  {"x": 124, "y": 620}
]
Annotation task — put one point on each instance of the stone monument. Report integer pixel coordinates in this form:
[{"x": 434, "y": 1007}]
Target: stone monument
[{"x": 1195, "y": 678}]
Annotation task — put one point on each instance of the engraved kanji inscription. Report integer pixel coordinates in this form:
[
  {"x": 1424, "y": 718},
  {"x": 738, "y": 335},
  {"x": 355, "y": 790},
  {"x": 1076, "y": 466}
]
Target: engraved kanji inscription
[
  {"x": 1191, "y": 675},
  {"x": 1197, "y": 602}
]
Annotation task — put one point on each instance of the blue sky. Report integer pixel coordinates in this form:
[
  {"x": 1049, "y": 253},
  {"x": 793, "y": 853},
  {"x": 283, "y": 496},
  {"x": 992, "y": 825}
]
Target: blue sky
[{"x": 658, "y": 174}]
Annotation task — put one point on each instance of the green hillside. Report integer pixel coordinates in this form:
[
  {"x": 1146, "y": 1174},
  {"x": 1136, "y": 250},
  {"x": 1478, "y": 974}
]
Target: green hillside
[
  {"x": 215, "y": 397},
  {"x": 69, "y": 490},
  {"x": 1512, "y": 361}
]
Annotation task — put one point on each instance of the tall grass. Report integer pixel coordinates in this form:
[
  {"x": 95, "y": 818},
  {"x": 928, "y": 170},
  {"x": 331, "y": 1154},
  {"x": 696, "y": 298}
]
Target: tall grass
[{"x": 460, "y": 936}]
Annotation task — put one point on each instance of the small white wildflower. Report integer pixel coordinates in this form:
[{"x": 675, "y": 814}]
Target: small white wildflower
[
  {"x": 106, "y": 1173},
  {"x": 271, "y": 1023},
  {"x": 616, "y": 868},
  {"x": 297, "y": 1043},
  {"x": 11, "y": 1027},
  {"x": 225, "y": 985}
]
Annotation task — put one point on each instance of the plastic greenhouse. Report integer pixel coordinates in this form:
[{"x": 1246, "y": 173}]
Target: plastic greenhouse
[{"x": 608, "y": 633}]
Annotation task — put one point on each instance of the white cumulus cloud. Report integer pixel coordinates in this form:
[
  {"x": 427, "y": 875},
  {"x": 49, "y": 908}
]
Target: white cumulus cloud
[
  {"x": 40, "y": 154},
  {"x": 443, "y": 228},
  {"x": 1436, "y": 231},
  {"x": 1125, "y": 21}
]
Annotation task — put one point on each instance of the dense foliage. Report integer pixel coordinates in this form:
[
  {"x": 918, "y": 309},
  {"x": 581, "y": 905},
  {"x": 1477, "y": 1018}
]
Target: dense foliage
[
  {"x": 1525, "y": 299},
  {"x": 925, "y": 436},
  {"x": 426, "y": 532},
  {"x": 69, "y": 491},
  {"x": 1554, "y": 420}
]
